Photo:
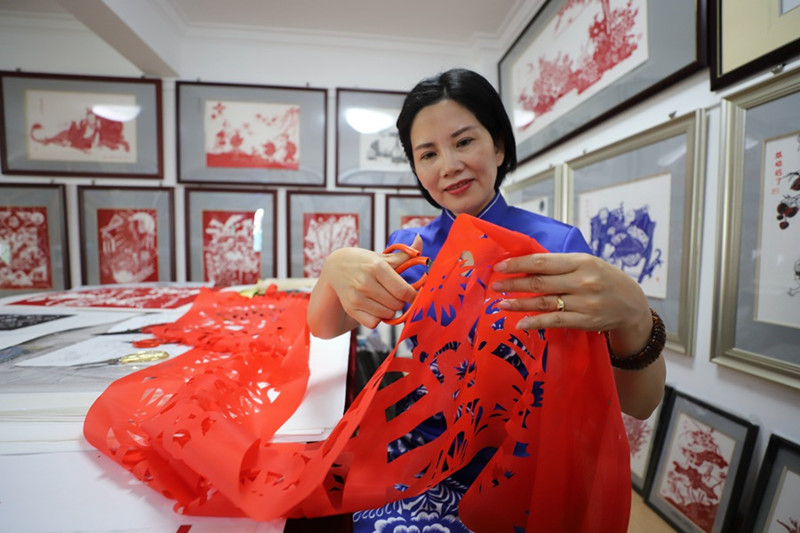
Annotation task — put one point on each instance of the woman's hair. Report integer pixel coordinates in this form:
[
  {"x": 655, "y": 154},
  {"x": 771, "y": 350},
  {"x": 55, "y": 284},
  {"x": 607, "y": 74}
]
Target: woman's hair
[{"x": 477, "y": 95}]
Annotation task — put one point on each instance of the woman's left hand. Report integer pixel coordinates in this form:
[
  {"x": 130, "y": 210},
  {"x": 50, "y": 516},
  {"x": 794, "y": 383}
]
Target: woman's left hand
[{"x": 594, "y": 295}]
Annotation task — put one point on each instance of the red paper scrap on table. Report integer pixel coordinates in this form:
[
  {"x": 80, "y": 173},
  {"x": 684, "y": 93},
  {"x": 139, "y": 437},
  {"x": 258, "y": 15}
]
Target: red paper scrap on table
[{"x": 198, "y": 428}]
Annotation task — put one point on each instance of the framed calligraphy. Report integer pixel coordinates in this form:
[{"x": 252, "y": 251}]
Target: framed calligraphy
[
  {"x": 580, "y": 61},
  {"x": 127, "y": 234},
  {"x": 251, "y": 134},
  {"x": 57, "y": 125}
]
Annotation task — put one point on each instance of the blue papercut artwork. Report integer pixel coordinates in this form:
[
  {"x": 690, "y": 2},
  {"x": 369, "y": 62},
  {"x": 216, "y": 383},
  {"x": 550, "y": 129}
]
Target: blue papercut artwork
[{"x": 626, "y": 240}]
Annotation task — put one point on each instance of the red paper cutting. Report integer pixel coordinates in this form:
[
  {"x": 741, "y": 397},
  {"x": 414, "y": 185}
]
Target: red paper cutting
[{"x": 198, "y": 428}]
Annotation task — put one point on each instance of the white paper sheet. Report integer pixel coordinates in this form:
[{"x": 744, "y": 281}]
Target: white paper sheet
[{"x": 99, "y": 348}]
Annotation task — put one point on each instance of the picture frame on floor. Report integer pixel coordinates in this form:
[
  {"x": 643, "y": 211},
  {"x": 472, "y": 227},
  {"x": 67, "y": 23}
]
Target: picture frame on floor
[{"x": 777, "y": 492}]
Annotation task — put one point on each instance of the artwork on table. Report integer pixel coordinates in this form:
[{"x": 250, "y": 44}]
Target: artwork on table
[
  {"x": 251, "y": 134},
  {"x": 638, "y": 203},
  {"x": 578, "y": 61},
  {"x": 127, "y": 245},
  {"x": 230, "y": 235},
  {"x": 627, "y": 225},
  {"x": 368, "y": 148},
  {"x": 541, "y": 193},
  {"x": 756, "y": 328},
  {"x": 747, "y": 38},
  {"x": 143, "y": 296},
  {"x": 126, "y": 234},
  {"x": 81, "y": 125},
  {"x": 33, "y": 245},
  {"x": 319, "y": 223},
  {"x": 777, "y": 493},
  {"x": 643, "y": 439},
  {"x": 407, "y": 211},
  {"x": 9, "y": 322},
  {"x": 779, "y": 233},
  {"x": 702, "y": 466}
]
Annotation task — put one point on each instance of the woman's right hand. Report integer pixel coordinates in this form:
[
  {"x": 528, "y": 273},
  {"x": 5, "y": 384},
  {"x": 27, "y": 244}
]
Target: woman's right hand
[{"x": 358, "y": 286}]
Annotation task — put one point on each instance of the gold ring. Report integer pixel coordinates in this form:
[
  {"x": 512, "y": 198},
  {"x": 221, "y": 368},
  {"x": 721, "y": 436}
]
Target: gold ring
[{"x": 560, "y": 304}]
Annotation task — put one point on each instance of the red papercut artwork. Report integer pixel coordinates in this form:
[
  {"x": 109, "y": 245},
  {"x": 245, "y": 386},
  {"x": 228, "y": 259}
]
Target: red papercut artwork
[
  {"x": 229, "y": 254},
  {"x": 607, "y": 36},
  {"x": 697, "y": 471},
  {"x": 198, "y": 428},
  {"x": 415, "y": 221},
  {"x": 85, "y": 134},
  {"x": 127, "y": 249},
  {"x": 792, "y": 527},
  {"x": 639, "y": 434},
  {"x": 252, "y": 135},
  {"x": 322, "y": 234},
  {"x": 156, "y": 297},
  {"x": 24, "y": 249}
]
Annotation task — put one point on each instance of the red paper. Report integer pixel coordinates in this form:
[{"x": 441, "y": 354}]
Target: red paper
[{"x": 198, "y": 428}]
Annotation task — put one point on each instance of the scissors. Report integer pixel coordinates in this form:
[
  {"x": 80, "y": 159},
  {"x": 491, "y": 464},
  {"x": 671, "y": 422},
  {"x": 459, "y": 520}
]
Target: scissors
[
  {"x": 414, "y": 259},
  {"x": 142, "y": 356}
]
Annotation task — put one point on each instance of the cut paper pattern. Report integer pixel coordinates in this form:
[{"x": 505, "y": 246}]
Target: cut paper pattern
[
  {"x": 231, "y": 247},
  {"x": 198, "y": 428},
  {"x": 127, "y": 245},
  {"x": 322, "y": 234},
  {"x": 415, "y": 221},
  {"x": 135, "y": 297},
  {"x": 25, "y": 248}
]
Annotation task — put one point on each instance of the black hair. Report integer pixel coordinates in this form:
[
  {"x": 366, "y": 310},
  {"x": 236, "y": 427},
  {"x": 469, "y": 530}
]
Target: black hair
[{"x": 477, "y": 95}]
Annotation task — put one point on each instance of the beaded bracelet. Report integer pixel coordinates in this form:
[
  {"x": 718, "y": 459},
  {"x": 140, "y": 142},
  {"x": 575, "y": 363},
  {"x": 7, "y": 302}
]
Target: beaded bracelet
[{"x": 649, "y": 354}]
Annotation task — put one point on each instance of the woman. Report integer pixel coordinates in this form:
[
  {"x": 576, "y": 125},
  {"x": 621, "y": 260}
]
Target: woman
[{"x": 459, "y": 141}]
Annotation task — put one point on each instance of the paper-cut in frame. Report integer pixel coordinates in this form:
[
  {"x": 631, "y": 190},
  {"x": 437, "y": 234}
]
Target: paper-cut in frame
[
  {"x": 79, "y": 126},
  {"x": 34, "y": 253},
  {"x": 542, "y": 193},
  {"x": 368, "y": 149},
  {"x": 746, "y": 38},
  {"x": 562, "y": 75},
  {"x": 672, "y": 149},
  {"x": 702, "y": 466},
  {"x": 408, "y": 211},
  {"x": 127, "y": 234},
  {"x": 251, "y": 134},
  {"x": 644, "y": 437},
  {"x": 760, "y": 231},
  {"x": 777, "y": 492},
  {"x": 231, "y": 236},
  {"x": 320, "y": 222}
]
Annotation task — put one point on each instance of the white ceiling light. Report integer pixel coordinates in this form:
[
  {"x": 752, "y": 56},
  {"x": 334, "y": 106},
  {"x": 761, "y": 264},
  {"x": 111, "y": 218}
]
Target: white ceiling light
[
  {"x": 117, "y": 113},
  {"x": 368, "y": 120}
]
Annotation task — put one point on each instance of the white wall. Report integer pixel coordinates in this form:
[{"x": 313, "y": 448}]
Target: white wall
[{"x": 63, "y": 46}]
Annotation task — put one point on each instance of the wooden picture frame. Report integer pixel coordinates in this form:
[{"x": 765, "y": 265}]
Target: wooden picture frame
[
  {"x": 368, "y": 149},
  {"x": 562, "y": 76},
  {"x": 541, "y": 193},
  {"x": 231, "y": 235},
  {"x": 251, "y": 134},
  {"x": 705, "y": 450},
  {"x": 34, "y": 251},
  {"x": 408, "y": 211},
  {"x": 320, "y": 222},
  {"x": 747, "y": 38},
  {"x": 659, "y": 173},
  {"x": 127, "y": 234},
  {"x": 777, "y": 492},
  {"x": 757, "y": 291},
  {"x": 80, "y": 126}
]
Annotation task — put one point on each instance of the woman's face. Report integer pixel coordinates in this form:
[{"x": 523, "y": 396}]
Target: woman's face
[{"x": 455, "y": 157}]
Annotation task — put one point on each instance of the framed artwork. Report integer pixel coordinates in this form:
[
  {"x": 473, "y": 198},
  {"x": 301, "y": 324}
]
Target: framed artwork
[
  {"x": 368, "y": 149},
  {"x": 701, "y": 467},
  {"x": 231, "y": 236},
  {"x": 777, "y": 493},
  {"x": 321, "y": 222},
  {"x": 746, "y": 38},
  {"x": 127, "y": 234},
  {"x": 643, "y": 438},
  {"x": 34, "y": 252},
  {"x": 639, "y": 205},
  {"x": 757, "y": 296},
  {"x": 407, "y": 211},
  {"x": 542, "y": 193},
  {"x": 251, "y": 134},
  {"x": 57, "y": 125},
  {"x": 580, "y": 61}
]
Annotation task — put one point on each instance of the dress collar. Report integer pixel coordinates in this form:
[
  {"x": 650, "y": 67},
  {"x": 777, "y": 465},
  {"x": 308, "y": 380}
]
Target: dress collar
[{"x": 498, "y": 202}]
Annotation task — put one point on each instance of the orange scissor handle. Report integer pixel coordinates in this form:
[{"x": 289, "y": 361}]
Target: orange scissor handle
[{"x": 414, "y": 259}]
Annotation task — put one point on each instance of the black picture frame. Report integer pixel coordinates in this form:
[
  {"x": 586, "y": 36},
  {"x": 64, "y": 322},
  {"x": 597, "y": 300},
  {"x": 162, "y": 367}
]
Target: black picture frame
[{"x": 777, "y": 490}]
